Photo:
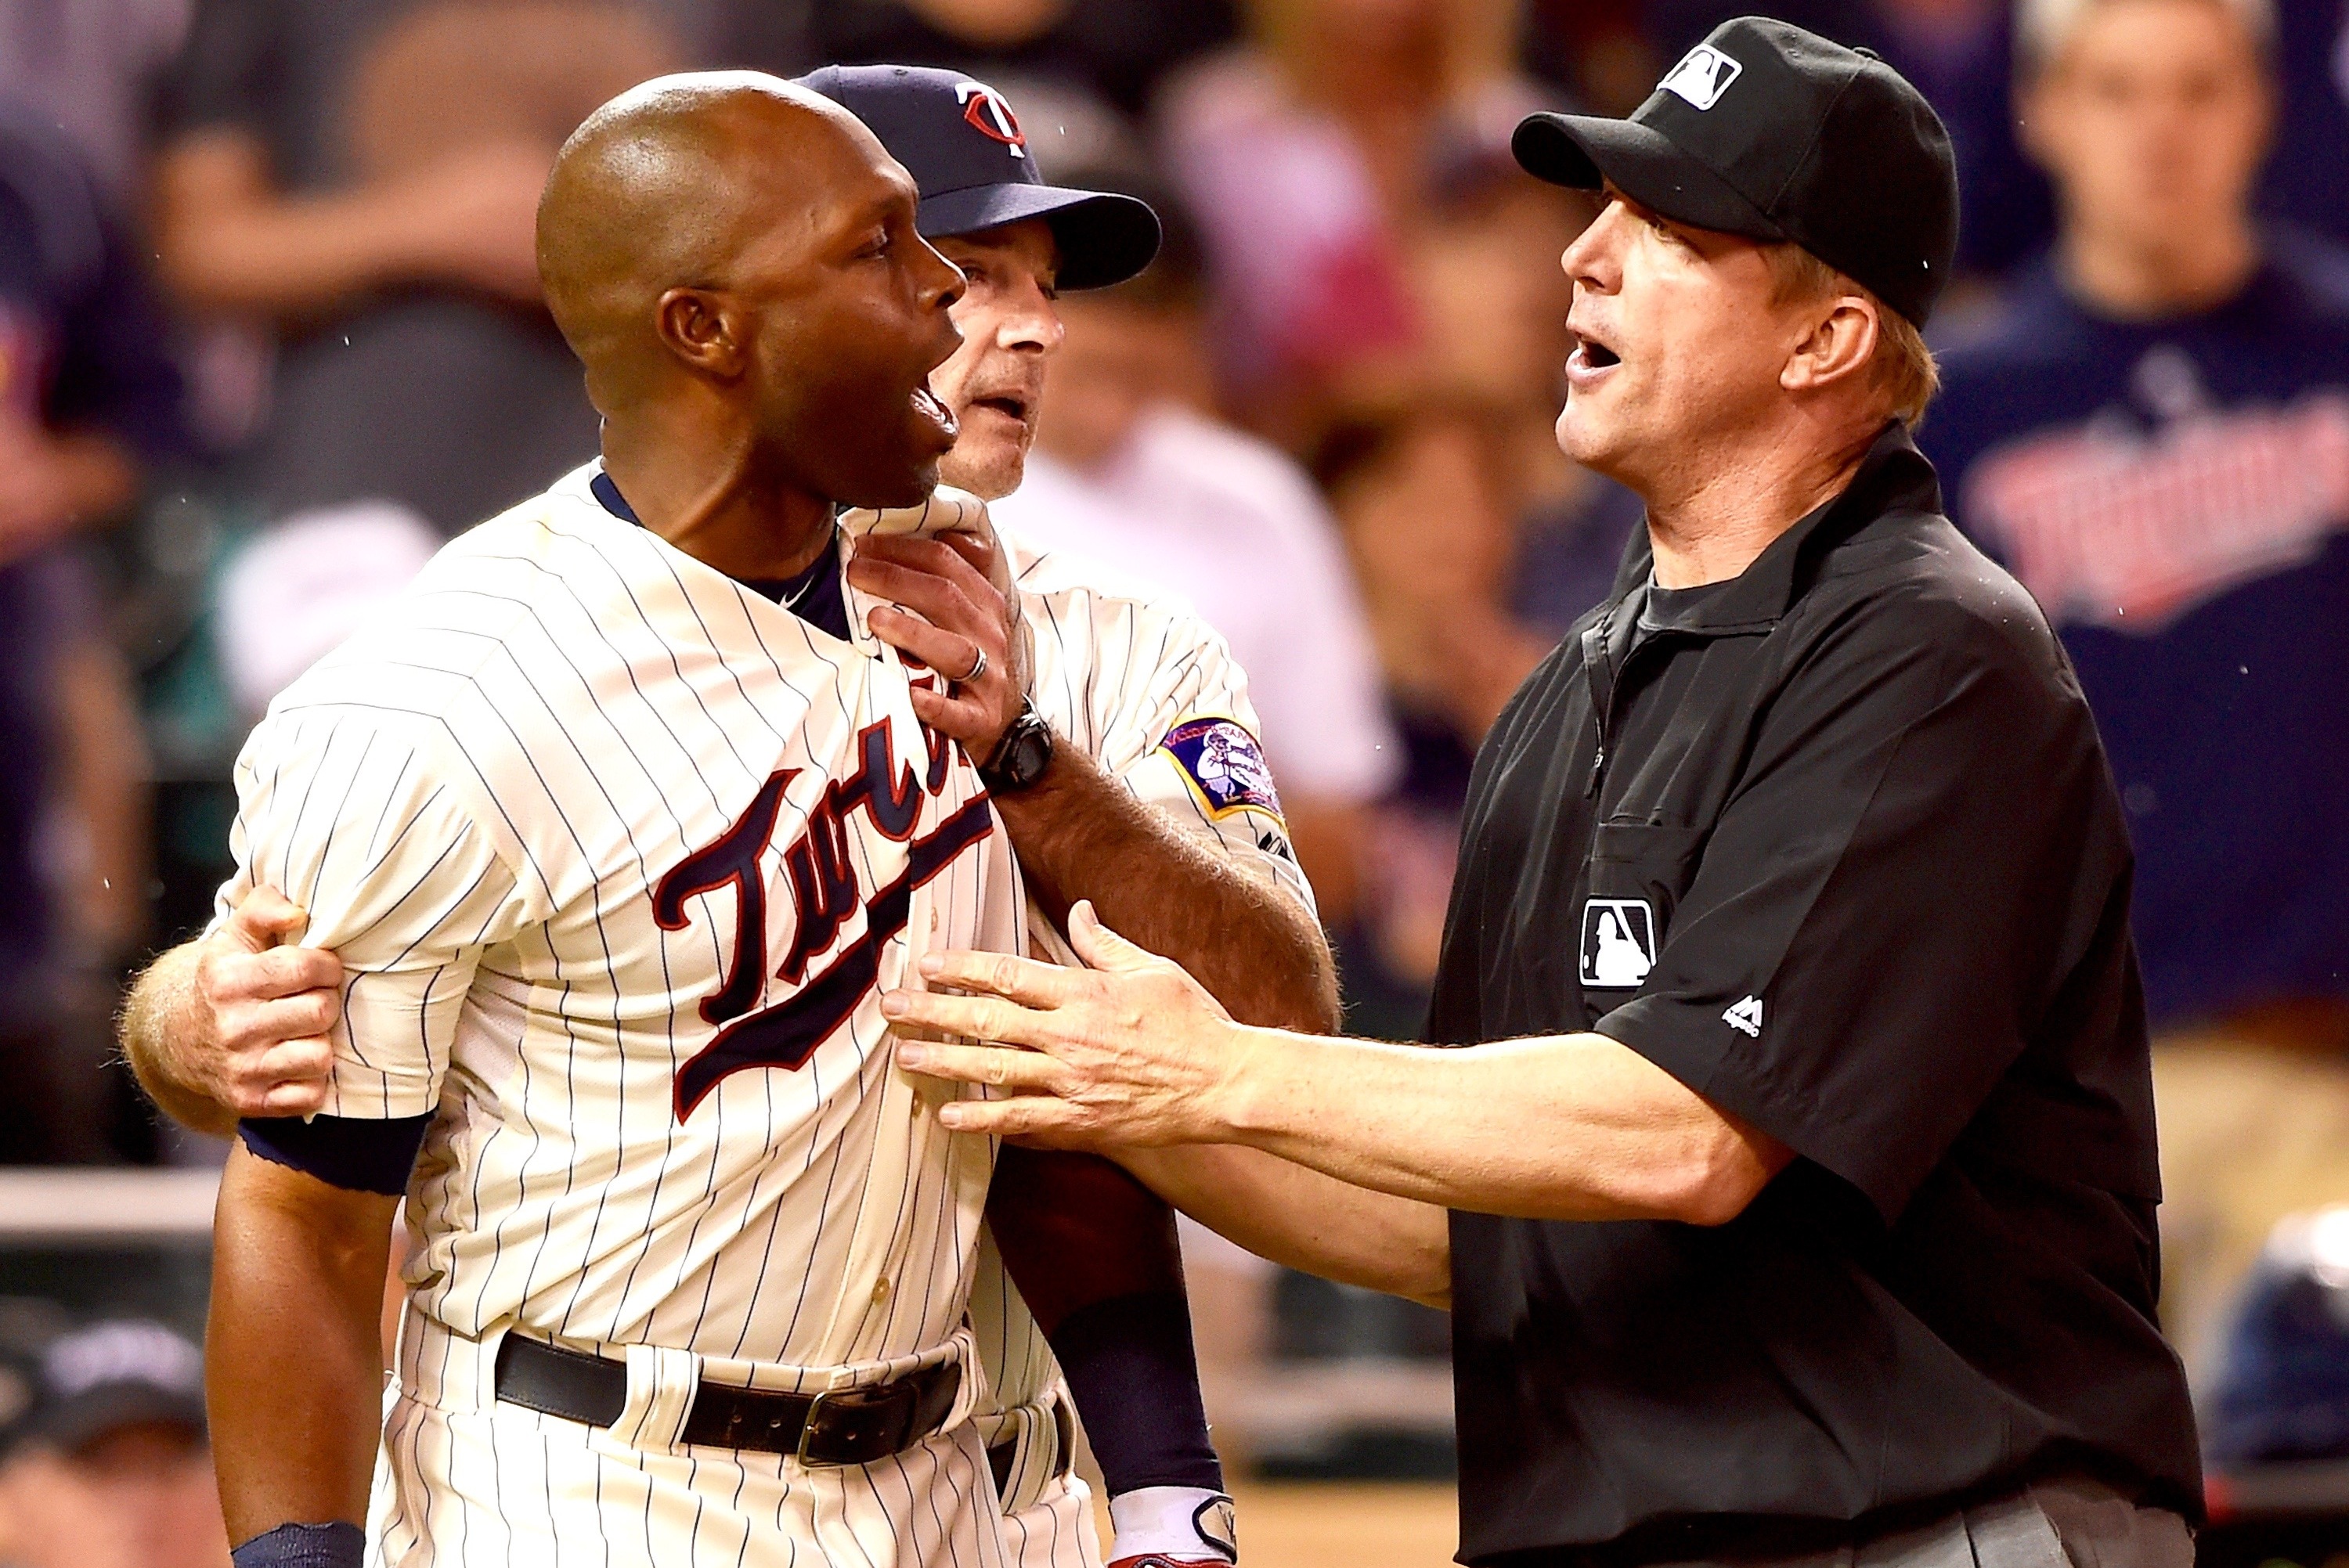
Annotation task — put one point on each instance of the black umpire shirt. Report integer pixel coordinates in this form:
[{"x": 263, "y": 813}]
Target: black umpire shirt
[{"x": 1835, "y": 844}]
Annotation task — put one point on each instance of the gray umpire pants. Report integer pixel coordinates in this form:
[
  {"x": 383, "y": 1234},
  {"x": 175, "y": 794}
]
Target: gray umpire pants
[{"x": 2052, "y": 1524}]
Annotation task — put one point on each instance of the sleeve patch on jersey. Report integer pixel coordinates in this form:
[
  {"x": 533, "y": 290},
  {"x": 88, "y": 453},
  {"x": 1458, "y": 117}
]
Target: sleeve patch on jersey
[{"x": 1223, "y": 763}]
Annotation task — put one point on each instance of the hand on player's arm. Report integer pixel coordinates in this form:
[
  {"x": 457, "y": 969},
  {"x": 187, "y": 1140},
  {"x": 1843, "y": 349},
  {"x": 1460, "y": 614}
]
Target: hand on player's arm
[
  {"x": 1078, "y": 833},
  {"x": 293, "y": 1354},
  {"x": 1134, "y": 1052},
  {"x": 236, "y": 1023}
]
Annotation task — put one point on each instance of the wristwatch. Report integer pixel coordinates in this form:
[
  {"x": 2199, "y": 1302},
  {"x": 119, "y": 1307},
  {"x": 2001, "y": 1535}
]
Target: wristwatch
[{"x": 1021, "y": 755}]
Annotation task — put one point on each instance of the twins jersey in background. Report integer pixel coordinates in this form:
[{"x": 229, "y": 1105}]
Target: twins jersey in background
[
  {"x": 1151, "y": 692},
  {"x": 618, "y": 857}
]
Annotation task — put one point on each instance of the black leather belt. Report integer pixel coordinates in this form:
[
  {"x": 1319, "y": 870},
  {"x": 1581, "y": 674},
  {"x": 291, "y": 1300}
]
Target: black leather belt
[{"x": 837, "y": 1427}]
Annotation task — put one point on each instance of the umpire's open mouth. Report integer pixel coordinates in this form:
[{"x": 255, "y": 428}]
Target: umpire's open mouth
[{"x": 1589, "y": 361}]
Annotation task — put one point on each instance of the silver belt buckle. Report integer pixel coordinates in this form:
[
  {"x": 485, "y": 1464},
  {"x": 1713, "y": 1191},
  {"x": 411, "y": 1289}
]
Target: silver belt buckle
[{"x": 808, "y": 1428}]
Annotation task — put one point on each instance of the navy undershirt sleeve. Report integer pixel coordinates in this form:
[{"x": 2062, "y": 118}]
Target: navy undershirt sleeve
[
  {"x": 354, "y": 1153},
  {"x": 1136, "y": 1376}
]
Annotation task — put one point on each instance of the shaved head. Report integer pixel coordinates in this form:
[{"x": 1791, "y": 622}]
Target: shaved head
[{"x": 729, "y": 242}]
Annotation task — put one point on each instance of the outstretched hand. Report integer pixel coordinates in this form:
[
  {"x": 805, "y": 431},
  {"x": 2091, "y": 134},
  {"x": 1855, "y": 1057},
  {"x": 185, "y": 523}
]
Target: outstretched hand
[{"x": 1128, "y": 1051}]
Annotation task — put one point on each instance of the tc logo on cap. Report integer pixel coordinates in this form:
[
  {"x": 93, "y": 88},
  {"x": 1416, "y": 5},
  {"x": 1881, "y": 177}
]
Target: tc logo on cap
[
  {"x": 1704, "y": 74},
  {"x": 988, "y": 114}
]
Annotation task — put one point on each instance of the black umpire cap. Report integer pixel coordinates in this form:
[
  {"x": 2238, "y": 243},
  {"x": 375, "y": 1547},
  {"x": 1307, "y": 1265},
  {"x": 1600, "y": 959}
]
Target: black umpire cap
[
  {"x": 962, "y": 144},
  {"x": 1771, "y": 132}
]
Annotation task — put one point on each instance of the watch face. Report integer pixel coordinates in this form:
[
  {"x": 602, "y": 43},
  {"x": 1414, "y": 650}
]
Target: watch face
[
  {"x": 1032, "y": 748},
  {"x": 1027, "y": 751}
]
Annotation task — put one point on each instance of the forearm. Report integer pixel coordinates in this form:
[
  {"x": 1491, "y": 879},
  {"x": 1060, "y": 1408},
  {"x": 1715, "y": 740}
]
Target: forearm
[
  {"x": 1081, "y": 834},
  {"x": 1571, "y": 1127},
  {"x": 1304, "y": 1218},
  {"x": 294, "y": 1367},
  {"x": 155, "y": 1018},
  {"x": 228, "y": 241}
]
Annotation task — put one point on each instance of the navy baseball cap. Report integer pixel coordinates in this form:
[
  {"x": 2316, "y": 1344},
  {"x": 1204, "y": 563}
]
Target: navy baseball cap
[
  {"x": 111, "y": 1375},
  {"x": 1773, "y": 132},
  {"x": 962, "y": 144}
]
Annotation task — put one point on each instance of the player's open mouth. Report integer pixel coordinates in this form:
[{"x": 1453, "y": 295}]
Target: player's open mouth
[
  {"x": 927, "y": 405},
  {"x": 1009, "y": 405}
]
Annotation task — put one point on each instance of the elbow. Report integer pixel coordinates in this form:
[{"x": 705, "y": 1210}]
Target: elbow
[{"x": 1715, "y": 1186}]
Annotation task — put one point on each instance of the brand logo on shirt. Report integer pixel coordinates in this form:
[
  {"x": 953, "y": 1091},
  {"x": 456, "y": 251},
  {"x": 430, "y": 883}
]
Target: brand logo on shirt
[
  {"x": 1619, "y": 944},
  {"x": 1745, "y": 1017},
  {"x": 1224, "y": 766},
  {"x": 989, "y": 116},
  {"x": 2107, "y": 527},
  {"x": 1704, "y": 74}
]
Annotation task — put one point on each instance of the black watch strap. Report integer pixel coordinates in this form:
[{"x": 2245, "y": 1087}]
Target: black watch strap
[{"x": 1021, "y": 755}]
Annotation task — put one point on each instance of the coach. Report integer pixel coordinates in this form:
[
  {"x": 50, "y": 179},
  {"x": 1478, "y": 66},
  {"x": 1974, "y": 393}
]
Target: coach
[{"x": 1803, "y": 1210}]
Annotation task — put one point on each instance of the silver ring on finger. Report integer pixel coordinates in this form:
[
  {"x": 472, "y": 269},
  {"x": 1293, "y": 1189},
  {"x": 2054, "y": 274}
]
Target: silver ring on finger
[{"x": 978, "y": 667}]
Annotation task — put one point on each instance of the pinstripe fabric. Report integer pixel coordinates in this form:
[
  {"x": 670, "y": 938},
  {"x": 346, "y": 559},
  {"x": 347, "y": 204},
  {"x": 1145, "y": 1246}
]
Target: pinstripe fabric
[
  {"x": 478, "y": 797},
  {"x": 1117, "y": 666},
  {"x": 465, "y": 1479}
]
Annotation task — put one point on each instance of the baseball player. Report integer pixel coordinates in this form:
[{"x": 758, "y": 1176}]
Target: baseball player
[
  {"x": 1132, "y": 684},
  {"x": 615, "y": 825}
]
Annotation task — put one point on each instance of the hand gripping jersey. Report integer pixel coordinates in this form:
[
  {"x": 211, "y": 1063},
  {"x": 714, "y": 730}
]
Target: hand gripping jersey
[
  {"x": 618, "y": 857},
  {"x": 1139, "y": 681}
]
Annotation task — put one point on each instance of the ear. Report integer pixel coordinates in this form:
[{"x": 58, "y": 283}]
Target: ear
[
  {"x": 700, "y": 328},
  {"x": 1838, "y": 346}
]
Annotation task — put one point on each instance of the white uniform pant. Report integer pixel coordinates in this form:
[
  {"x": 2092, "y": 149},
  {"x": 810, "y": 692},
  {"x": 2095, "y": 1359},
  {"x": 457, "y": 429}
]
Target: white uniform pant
[
  {"x": 466, "y": 1480},
  {"x": 1048, "y": 1509}
]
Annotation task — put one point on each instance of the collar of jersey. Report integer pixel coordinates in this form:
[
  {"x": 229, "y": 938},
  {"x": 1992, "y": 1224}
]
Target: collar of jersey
[
  {"x": 607, "y": 495},
  {"x": 1894, "y": 477}
]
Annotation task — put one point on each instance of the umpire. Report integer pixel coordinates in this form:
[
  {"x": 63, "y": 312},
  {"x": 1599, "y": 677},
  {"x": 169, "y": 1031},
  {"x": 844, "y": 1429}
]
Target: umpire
[{"x": 1805, "y": 1211}]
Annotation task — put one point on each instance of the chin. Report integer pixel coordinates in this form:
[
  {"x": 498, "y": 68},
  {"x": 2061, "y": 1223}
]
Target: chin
[
  {"x": 990, "y": 478},
  {"x": 910, "y": 489}
]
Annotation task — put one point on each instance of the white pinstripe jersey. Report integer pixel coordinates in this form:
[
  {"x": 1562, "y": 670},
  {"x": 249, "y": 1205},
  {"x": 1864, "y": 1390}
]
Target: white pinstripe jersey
[
  {"x": 1151, "y": 692},
  {"x": 617, "y": 855}
]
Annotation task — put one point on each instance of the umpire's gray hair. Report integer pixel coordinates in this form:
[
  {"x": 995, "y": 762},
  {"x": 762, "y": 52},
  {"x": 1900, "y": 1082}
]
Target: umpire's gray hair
[{"x": 2042, "y": 27}]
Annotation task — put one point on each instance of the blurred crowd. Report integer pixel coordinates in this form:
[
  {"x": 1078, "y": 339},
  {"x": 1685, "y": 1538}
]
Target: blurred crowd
[{"x": 270, "y": 332}]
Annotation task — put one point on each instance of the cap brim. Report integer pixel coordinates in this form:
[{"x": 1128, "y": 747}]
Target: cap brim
[
  {"x": 109, "y": 1408},
  {"x": 1584, "y": 152},
  {"x": 1104, "y": 238}
]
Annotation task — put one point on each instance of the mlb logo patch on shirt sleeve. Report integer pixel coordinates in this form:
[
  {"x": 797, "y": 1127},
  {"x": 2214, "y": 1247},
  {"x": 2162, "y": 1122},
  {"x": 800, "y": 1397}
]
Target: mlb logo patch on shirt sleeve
[
  {"x": 1619, "y": 944},
  {"x": 1224, "y": 766}
]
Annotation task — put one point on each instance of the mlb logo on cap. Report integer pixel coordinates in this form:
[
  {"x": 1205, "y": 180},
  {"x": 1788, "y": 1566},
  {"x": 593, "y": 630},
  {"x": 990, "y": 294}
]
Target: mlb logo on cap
[{"x": 1704, "y": 74}]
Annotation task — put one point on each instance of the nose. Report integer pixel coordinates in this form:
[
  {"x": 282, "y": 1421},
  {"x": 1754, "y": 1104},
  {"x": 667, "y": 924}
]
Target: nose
[
  {"x": 1031, "y": 324},
  {"x": 940, "y": 281},
  {"x": 1594, "y": 261}
]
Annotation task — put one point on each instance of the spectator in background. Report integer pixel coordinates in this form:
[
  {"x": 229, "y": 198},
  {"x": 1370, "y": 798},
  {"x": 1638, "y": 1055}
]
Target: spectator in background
[
  {"x": 1128, "y": 470},
  {"x": 1117, "y": 52},
  {"x": 1307, "y": 155},
  {"x": 1423, "y": 499},
  {"x": 107, "y": 1466},
  {"x": 365, "y": 175},
  {"x": 87, "y": 401},
  {"x": 2154, "y": 435},
  {"x": 1494, "y": 300}
]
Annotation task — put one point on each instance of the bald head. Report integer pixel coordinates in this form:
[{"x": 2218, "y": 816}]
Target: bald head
[
  {"x": 735, "y": 261},
  {"x": 663, "y": 185}
]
